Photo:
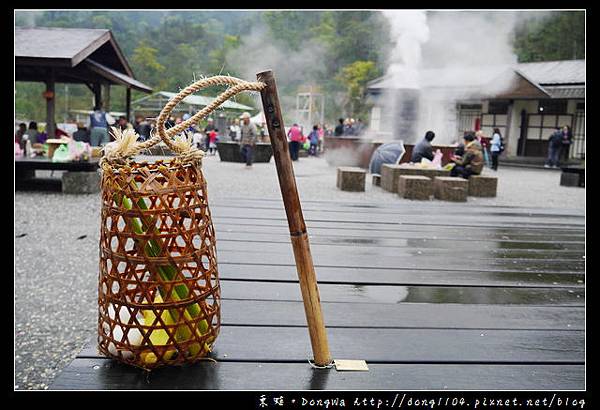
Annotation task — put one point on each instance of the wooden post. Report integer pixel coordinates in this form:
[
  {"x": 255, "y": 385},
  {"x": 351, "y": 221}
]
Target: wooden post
[
  {"x": 97, "y": 94},
  {"x": 128, "y": 104},
  {"x": 293, "y": 209},
  {"x": 50, "y": 107},
  {"x": 106, "y": 99}
]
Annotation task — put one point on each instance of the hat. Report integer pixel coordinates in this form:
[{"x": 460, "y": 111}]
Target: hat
[{"x": 245, "y": 115}]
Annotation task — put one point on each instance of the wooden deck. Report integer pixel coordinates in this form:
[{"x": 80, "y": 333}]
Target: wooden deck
[{"x": 432, "y": 295}]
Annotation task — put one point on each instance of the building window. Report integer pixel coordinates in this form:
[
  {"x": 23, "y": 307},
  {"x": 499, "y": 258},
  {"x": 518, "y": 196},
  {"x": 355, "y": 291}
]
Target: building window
[
  {"x": 541, "y": 126},
  {"x": 491, "y": 121},
  {"x": 552, "y": 106},
  {"x": 498, "y": 107},
  {"x": 468, "y": 115}
]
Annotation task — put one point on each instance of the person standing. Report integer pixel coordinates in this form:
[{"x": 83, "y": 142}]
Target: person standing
[
  {"x": 197, "y": 139},
  {"x": 567, "y": 139},
  {"x": 296, "y": 137},
  {"x": 423, "y": 149},
  {"x": 248, "y": 139},
  {"x": 339, "y": 130},
  {"x": 554, "y": 147},
  {"x": 210, "y": 125},
  {"x": 321, "y": 137},
  {"x": 99, "y": 123},
  {"x": 313, "y": 138},
  {"x": 212, "y": 144},
  {"x": 349, "y": 130},
  {"x": 496, "y": 148},
  {"x": 234, "y": 130}
]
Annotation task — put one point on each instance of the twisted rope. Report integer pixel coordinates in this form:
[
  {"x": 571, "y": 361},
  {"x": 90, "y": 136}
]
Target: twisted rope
[{"x": 185, "y": 151}]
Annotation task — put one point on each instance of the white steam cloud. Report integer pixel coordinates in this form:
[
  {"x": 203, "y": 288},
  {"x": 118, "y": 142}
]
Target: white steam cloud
[
  {"x": 450, "y": 57},
  {"x": 259, "y": 51}
]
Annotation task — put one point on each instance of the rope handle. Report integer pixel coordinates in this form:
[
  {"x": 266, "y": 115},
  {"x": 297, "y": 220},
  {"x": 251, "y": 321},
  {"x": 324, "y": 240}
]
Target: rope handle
[{"x": 237, "y": 86}]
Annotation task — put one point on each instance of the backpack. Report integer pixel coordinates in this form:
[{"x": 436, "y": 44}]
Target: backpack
[{"x": 501, "y": 144}]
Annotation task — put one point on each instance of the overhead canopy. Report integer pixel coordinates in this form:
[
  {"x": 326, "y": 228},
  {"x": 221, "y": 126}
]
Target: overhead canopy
[
  {"x": 72, "y": 55},
  {"x": 157, "y": 101}
]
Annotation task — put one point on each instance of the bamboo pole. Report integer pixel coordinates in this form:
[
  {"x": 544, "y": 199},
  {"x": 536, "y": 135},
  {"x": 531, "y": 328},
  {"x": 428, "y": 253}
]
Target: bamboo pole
[{"x": 293, "y": 209}]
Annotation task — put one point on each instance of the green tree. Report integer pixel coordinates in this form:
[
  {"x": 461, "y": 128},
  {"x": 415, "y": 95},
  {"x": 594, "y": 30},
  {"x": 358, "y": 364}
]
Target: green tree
[
  {"x": 146, "y": 65},
  {"x": 353, "y": 78},
  {"x": 561, "y": 36}
]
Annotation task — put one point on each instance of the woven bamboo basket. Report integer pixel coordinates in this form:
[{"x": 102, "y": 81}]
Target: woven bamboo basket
[{"x": 158, "y": 287}]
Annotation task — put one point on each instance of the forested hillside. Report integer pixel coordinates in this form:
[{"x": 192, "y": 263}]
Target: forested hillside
[{"x": 337, "y": 51}]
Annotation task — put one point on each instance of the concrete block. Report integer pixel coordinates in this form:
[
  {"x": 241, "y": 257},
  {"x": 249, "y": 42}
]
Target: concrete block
[
  {"x": 81, "y": 182},
  {"x": 480, "y": 185},
  {"x": 351, "y": 179},
  {"x": 450, "y": 189},
  {"x": 415, "y": 187}
]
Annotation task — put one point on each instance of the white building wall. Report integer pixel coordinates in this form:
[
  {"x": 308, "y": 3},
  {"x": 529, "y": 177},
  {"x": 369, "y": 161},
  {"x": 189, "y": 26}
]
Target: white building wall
[{"x": 530, "y": 106}]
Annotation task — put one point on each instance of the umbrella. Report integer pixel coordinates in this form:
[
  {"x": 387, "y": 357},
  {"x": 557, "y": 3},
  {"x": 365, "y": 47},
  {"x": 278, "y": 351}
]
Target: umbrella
[{"x": 389, "y": 153}]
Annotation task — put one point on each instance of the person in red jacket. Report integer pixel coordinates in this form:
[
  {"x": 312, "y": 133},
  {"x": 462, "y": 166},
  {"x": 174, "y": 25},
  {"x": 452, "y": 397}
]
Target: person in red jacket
[{"x": 212, "y": 141}]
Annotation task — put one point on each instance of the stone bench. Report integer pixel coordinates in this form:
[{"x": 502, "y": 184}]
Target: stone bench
[
  {"x": 415, "y": 187},
  {"x": 573, "y": 176},
  {"x": 406, "y": 169},
  {"x": 81, "y": 182},
  {"x": 390, "y": 174},
  {"x": 389, "y": 177},
  {"x": 450, "y": 189},
  {"x": 484, "y": 186},
  {"x": 351, "y": 179}
]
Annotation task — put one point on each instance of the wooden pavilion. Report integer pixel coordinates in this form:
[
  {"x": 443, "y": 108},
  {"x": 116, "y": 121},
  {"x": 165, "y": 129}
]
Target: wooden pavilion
[{"x": 75, "y": 56}]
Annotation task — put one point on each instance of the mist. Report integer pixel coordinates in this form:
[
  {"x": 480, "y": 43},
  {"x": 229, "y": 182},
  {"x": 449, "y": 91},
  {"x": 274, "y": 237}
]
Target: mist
[
  {"x": 449, "y": 56},
  {"x": 260, "y": 51}
]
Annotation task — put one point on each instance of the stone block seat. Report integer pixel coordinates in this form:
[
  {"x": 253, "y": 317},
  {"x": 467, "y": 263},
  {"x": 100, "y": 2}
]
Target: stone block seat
[
  {"x": 450, "y": 189},
  {"x": 85, "y": 182},
  {"x": 483, "y": 185},
  {"x": 415, "y": 187},
  {"x": 389, "y": 177},
  {"x": 407, "y": 169},
  {"x": 351, "y": 179}
]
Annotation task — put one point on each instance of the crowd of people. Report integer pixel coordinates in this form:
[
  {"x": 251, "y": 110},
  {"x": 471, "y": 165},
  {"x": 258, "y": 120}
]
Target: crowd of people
[
  {"x": 348, "y": 127},
  {"x": 470, "y": 155},
  {"x": 475, "y": 149}
]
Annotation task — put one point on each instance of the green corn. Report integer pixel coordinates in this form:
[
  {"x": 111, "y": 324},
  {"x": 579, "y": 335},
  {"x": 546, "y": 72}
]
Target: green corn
[{"x": 168, "y": 273}]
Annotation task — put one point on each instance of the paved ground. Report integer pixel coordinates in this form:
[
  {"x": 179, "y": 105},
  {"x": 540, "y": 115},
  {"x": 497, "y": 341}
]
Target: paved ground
[
  {"x": 316, "y": 181},
  {"x": 56, "y": 254}
]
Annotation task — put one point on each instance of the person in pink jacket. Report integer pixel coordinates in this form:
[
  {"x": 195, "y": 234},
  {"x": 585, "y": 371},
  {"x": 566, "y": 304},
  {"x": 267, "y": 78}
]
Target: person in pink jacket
[{"x": 296, "y": 138}]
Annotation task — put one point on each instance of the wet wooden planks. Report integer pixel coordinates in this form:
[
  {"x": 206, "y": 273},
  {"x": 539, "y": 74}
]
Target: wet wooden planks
[{"x": 501, "y": 308}]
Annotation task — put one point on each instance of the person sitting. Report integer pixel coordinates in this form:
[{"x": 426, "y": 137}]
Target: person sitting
[
  {"x": 32, "y": 132},
  {"x": 59, "y": 132},
  {"x": 471, "y": 163},
  {"x": 423, "y": 149},
  {"x": 82, "y": 133},
  {"x": 19, "y": 134}
]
